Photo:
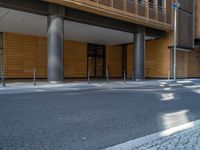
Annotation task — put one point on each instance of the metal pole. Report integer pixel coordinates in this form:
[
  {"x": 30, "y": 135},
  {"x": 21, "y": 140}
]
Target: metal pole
[
  {"x": 34, "y": 77},
  {"x": 89, "y": 71},
  {"x": 2, "y": 77},
  {"x": 175, "y": 6},
  {"x": 124, "y": 76},
  {"x": 132, "y": 75}
]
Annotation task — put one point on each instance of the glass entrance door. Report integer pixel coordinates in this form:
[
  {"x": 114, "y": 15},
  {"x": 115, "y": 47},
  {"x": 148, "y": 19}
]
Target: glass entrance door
[{"x": 96, "y": 59}]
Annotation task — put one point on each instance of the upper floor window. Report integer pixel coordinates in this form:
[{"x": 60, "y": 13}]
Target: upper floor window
[
  {"x": 151, "y": 3},
  {"x": 141, "y": 2},
  {"x": 160, "y": 5}
]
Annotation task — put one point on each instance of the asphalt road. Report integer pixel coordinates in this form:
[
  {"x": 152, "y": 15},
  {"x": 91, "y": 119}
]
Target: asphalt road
[{"x": 93, "y": 119}]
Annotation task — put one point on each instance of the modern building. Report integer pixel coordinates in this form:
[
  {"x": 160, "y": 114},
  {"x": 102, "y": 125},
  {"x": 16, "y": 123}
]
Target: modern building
[{"x": 76, "y": 38}]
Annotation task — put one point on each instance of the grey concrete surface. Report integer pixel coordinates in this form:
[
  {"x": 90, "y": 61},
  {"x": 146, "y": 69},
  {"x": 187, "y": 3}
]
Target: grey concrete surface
[{"x": 93, "y": 119}]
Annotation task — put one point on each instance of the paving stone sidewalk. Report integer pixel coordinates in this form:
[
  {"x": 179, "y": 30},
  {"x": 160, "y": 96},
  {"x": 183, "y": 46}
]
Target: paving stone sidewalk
[
  {"x": 186, "y": 140},
  {"x": 28, "y": 87},
  {"x": 184, "y": 137}
]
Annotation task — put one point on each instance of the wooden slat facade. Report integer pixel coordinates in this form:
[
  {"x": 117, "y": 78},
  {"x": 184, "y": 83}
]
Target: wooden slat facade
[
  {"x": 194, "y": 63},
  {"x": 157, "y": 59},
  {"x": 75, "y": 59},
  {"x": 182, "y": 64},
  {"x": 127, "y": 10},
  {"x": 114, "y": 60},
  {"x": 185, "y": 32},
  {"x": 1, "y": 50},
  {"x": 130, "y": 61},
  {"x": 23, "y": 53},
  {"x": 197, "y": 19}
]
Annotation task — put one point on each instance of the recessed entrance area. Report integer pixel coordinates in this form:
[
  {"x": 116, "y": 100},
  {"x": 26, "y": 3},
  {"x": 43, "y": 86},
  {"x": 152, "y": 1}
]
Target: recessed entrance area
[
  {"x": 25, "y": 48},
  {"x": 96, "y": 60}
]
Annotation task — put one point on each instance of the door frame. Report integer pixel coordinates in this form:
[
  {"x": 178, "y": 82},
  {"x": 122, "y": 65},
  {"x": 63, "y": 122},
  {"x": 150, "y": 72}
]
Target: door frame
[{"x": 95, "y": 55}]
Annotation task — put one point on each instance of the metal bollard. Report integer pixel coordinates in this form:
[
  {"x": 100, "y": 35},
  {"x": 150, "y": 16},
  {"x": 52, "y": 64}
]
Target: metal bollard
[
  {"x": 168, "y": 74},
  {"x": 107, "y": 75},
  {"x": 88, "y": 79},
  {"x": 124, "y": 76},
  {"x": 34, "y": 77},
  {"x": 132, "y": 75},
  {"x": 2, "y": 77}
]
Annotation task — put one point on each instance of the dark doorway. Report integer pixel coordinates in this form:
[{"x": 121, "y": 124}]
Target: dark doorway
[{"x": 96, "y": 60}]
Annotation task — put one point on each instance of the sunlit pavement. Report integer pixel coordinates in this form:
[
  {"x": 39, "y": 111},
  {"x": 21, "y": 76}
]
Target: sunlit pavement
[
  {"x": 29, "y": 87},
  {"x": 97, "y": 118}
]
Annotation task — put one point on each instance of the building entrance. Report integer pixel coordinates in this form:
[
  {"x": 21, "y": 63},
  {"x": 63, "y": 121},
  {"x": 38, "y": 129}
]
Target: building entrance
[{"x": 96, "y": 60}]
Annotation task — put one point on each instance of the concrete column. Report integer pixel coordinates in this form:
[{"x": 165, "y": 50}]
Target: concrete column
[
  {"x": 55, "y": 35},
  {"x": 139, "y": 49}
]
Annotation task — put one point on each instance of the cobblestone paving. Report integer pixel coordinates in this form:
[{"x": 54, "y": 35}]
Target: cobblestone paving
[{"x": 185, "y": 140}]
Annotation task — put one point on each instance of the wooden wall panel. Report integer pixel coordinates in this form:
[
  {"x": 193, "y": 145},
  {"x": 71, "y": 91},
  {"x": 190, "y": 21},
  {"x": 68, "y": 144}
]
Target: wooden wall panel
[
  {"x": 182, "y": 64},
  {"x": 114, "y": 60},
  {"x": 194, "y": 63},
  {"x": 22, "y": 54},
  {"x": 185, "y": 32},
  {"x": 1, "y": 51},
  {"x": 75, "y": 59},
  {"x": 41, "y": 61},
  {"x": 130, "y": 56},
  {"x": 197, "y": 19},
  {"x": 157, "y": 59},
  {"x": 1, "y": 58}
]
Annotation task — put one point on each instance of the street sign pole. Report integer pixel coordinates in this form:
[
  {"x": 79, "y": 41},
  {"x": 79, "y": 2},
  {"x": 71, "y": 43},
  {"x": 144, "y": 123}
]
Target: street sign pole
[{"x": 175, "y": 6}]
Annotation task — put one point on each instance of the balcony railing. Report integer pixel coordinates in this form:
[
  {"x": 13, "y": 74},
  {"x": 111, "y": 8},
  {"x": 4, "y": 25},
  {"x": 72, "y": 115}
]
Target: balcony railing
[{"x": 132, "y": 9}]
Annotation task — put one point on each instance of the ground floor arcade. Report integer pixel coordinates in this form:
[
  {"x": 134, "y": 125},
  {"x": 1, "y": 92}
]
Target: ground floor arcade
[
  {"x": 77, "y": 50},
  {"x": 22, "y": 53}
]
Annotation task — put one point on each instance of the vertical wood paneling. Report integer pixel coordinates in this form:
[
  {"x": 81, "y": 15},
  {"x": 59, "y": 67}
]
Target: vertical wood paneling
[
  {"x": 114, "y": 60},
  {"x": 194, "y": 63},
  {"x": 75, "y": 59},
  {"x": 157, "y": 59},
  {"x": 182, "y": 64},
  {"x": 1, "y": 51},
  {"x": 185, "y": 32},
  {"x": 22, "y": 54},
  {"x": 130, "y": 57},
  {"x": 41, "y": 61},
  {"x": 197, "y": 19}
]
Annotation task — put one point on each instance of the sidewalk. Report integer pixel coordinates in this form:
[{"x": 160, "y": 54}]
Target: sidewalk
[
  {"x": 28, "y": 87},
  {"x": 183, "y": 137}
]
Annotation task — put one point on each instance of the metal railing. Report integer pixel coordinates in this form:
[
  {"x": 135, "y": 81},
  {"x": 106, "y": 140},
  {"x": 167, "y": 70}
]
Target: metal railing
[{"x": 131, "y": 8}]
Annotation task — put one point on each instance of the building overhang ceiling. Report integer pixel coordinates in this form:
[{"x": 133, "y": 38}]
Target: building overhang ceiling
[{"x": 32, "y": 24}]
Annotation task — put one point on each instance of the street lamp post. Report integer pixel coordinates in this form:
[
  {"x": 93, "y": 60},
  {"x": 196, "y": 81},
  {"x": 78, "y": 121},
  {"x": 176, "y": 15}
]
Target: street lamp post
[{"x": 175, "y": 6}]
